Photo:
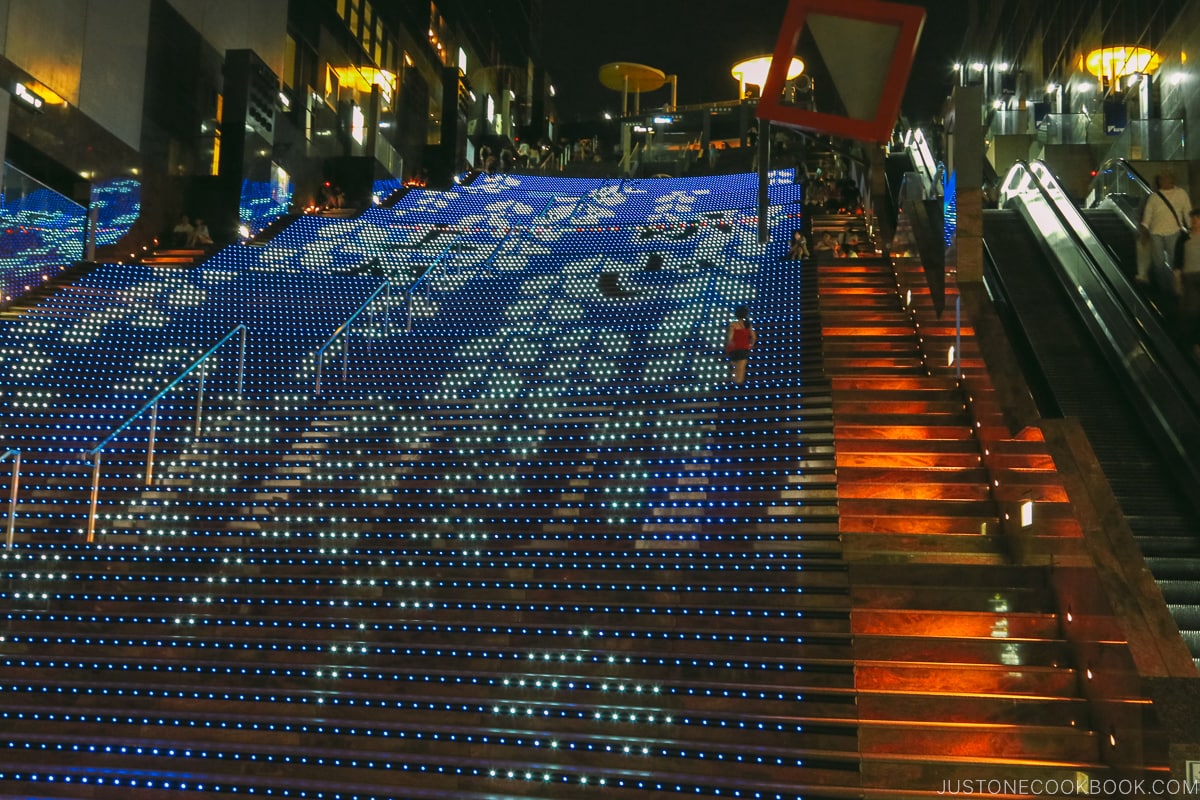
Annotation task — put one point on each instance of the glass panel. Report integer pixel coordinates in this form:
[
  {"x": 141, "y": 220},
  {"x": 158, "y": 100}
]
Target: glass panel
[{"x": 43, "y": 232}]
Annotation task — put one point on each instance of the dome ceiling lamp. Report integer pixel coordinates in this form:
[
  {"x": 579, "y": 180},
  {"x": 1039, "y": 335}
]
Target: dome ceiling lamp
[
  {"x": 753, "y": 72},
  {"x": 1113, "y": 63}
]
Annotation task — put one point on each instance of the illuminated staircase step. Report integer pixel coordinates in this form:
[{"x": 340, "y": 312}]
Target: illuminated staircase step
[
  {"x": 946, "y": 623},
  {"x": 583, "y": 748},
  {"x": 917, "y": 737},
  {"x": 926, "y": 777},
  {"x": 996, "y": 680}
]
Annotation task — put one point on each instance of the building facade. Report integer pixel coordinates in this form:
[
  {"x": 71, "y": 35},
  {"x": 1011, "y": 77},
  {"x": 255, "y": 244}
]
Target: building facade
[{"x": 214, "y": 107}]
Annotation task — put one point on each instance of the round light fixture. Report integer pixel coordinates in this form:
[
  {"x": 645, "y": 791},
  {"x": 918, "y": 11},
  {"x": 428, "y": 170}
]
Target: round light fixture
[
  {"x": 1122, "y": 60},
  {"x": 753, "y": 71}
]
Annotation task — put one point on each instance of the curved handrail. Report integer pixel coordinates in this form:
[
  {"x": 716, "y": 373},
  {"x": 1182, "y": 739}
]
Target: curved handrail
[
  {"x": 1134, "y": 304},
  {"x": 152, "y": 407},
  {"x": 927, "y": 166},
  {"x": 237, "y": 329},
  {"x": 15, "y": 455},
  {"x": 408, "y": 293},
  {"x": 1109, "y": 178},
  {"x": 344, "y": 328},
  {"x": 1166, "y": 385}
]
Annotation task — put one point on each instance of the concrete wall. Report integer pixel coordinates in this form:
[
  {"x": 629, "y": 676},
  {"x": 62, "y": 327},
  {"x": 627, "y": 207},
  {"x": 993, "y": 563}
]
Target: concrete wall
[
  {"x": 91, "y": 53},
  {"x": 258, "y": 25},
  {"x": 113, "y": 82}
]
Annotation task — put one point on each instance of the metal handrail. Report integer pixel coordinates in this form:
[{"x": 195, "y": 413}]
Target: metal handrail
[
  {"x": 344, "y": 329},
  {"x": 15, "y": 455},
  {"x": 408, "y": 293},
  {"x": 152, "y": 406},
  {"x": 1104, "y": 177},
  {"x": 1163, "y": 381}
]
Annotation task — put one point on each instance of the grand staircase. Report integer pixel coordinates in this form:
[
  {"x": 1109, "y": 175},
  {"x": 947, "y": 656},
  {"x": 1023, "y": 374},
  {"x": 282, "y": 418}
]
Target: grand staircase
[
  {"x": 965, "y": 668},
  {"x": 815, "y": 585}
]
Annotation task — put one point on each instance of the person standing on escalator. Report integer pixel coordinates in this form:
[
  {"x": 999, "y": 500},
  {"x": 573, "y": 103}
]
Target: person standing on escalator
[{"x": 1163, "y": 219}]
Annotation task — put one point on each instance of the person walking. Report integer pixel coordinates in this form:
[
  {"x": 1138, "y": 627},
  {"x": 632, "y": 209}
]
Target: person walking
[{"x": 739, "y": 341}]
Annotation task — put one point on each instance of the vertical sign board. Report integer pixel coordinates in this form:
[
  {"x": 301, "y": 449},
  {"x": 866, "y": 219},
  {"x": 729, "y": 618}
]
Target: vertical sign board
[{"x": 868, "y": 47}]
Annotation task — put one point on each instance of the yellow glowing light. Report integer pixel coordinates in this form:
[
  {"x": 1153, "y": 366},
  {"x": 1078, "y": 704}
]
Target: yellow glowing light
[
  {"x": 1116, "y": 62},
  {"x": 363, "y": 78},
  {"x": 753, "y": 71}
]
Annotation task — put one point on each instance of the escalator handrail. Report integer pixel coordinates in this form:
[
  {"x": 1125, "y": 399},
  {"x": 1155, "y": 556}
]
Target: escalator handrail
[
  {"x": 926, "y": 166},
  {"x": 1035, "y": 377},
  {"x": 1135, "y": 346},
  {"x": 1109, "y": 167},
  {"x": 1179, "y": 368}
]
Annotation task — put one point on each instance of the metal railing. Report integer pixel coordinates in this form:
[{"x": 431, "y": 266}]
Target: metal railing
[
  {"x": 456, "y": 244},
  {"x": 931, "y": 172},
  {"x": 1120, "y": 186},
  {"x": 15, "y": 455},
  {"x": 151, "y": 405},
  {"x": 1162, "y": 381},
  {"x": 343, "y": 330}
]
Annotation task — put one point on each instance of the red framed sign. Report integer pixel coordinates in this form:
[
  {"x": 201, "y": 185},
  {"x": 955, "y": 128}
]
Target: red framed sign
[{"x": 856, "y": 34}]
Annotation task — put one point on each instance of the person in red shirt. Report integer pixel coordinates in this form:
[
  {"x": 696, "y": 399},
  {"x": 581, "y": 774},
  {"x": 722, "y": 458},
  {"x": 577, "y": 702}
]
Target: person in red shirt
[{"x": 739, "y": 341}]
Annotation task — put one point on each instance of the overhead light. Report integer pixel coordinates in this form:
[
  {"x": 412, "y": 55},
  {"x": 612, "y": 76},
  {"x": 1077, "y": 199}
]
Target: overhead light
[
  {"x": 753, "y": 71},
  {"x": 1122, "y": 60},
  {"x": 1002, "y": 66},
  {"x": 285, "y": 101},
  {"x": 957, "y": 67},
  {"x": 1051, "y": 88},
  {"x": 607, "y": 115},
  {"x": 996, "y": 104},
  {"x": 977, "y": 66}
]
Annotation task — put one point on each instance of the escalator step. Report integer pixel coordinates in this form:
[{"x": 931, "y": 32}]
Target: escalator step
[
  {"x": 1169, "y": 547},
  {"x": 1192, "y": 640},
  {"x": 1180, "y": 568},
  {"x": 1181, "y": 592},
  {"x": 1187, "y": 616}
]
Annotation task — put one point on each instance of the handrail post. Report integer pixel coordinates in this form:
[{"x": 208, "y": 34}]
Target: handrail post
[
  {"x": 387, "y": 319},
  {"x": 150, "y": 444},
  {"x": 12, "y": 498},
  {"x": 200, "y": 401},
  {"x": 317, "y": 390},
  {"x": 408, "y": 311},
  {"x": 91, "y": 525},
  {"x": 345, "y": 350},
  {"x": 242, "y": 363}
]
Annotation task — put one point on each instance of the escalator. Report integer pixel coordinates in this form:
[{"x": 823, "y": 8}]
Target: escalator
[
  {"x": 1114, "y": 231},
  {"x": 1069, "y": 336}
]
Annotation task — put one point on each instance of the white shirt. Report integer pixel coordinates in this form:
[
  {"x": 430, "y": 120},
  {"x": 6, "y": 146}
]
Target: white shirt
[{"x": 1159, "y": 220}]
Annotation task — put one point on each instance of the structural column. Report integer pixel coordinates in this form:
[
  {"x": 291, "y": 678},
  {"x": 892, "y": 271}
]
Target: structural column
[
  {"x": 5, "y": 102},
  {"x": 965, "y": 151}
]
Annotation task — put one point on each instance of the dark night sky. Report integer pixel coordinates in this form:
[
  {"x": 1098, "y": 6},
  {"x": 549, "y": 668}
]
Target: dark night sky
[{"x": 699, "y": 40}]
